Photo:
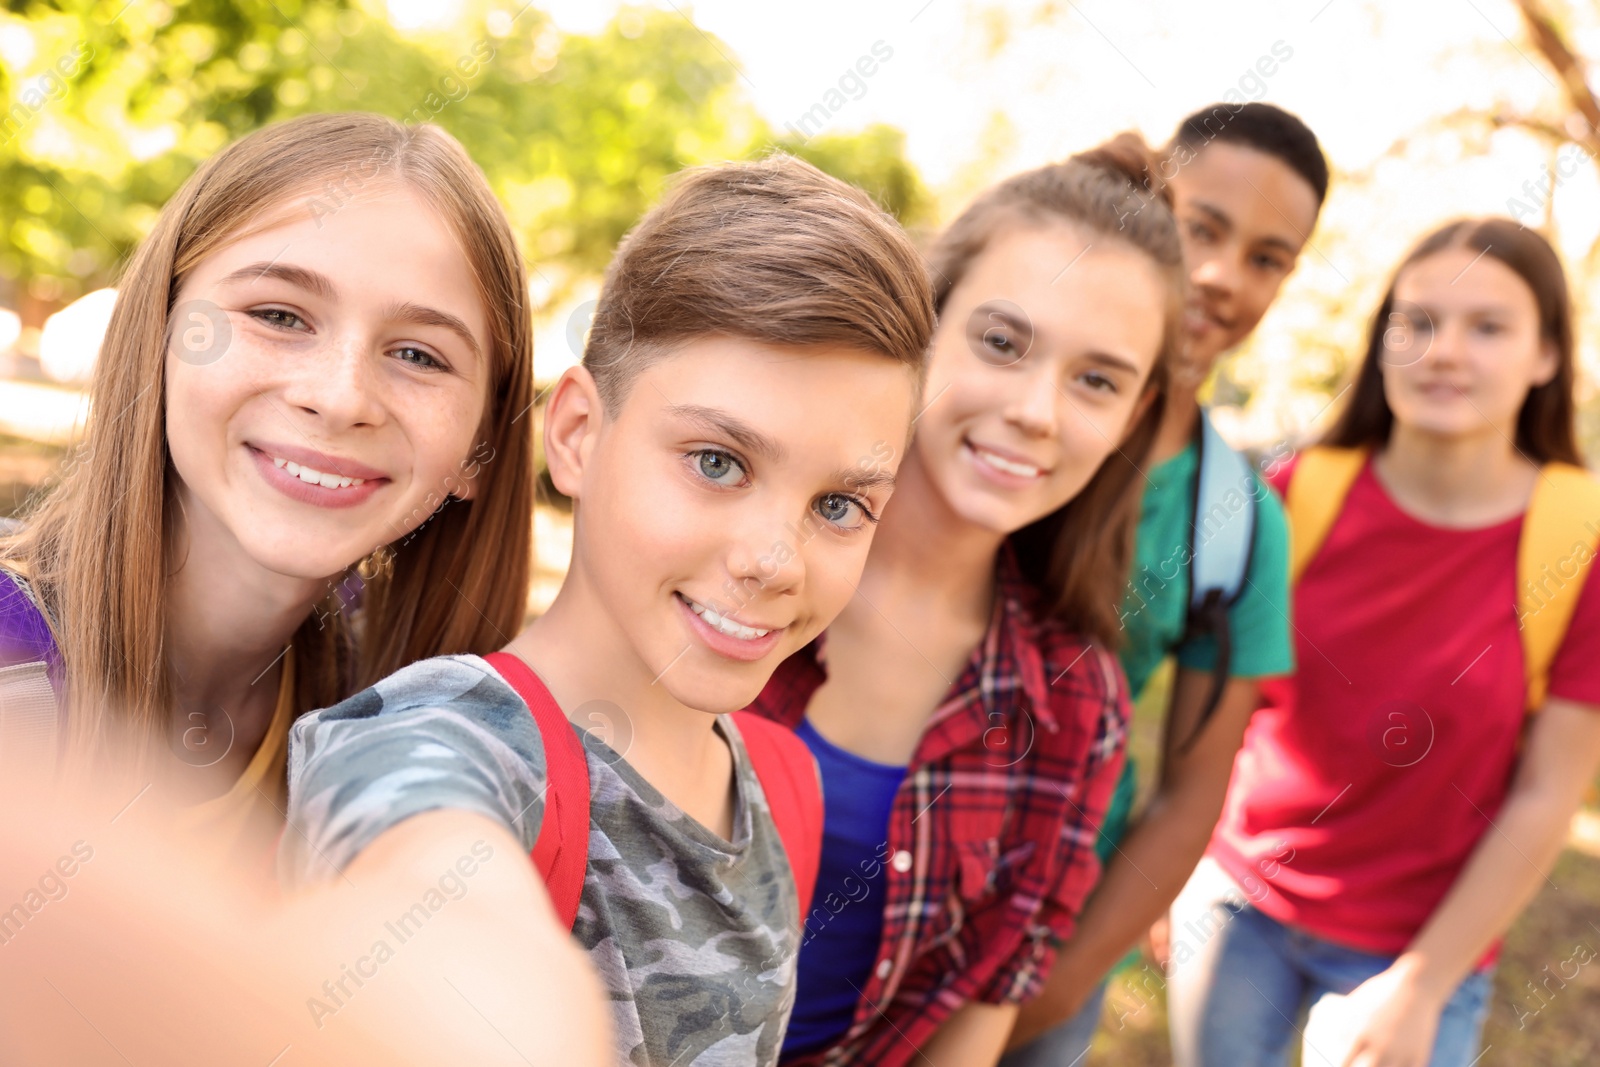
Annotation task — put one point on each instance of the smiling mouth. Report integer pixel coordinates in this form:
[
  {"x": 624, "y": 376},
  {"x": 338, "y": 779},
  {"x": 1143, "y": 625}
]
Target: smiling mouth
[
  {"x": 721, "y": 623},
  {"x": 1199, "y": 318},
  {"x": 1009, "y": 466},
  {"x": 316, "y": 477}
]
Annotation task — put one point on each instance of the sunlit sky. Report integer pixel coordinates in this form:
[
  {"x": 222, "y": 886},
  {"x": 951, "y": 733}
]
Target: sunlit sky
[{"x": 983, "y": 88}]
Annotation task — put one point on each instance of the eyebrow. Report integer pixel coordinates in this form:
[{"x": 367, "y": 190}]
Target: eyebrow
[
  {"x": 418, "y": 315},
  {"x": 1216, "y": 214},
  {"x": 1433, "y": 311},
  {"x": 720, "y": 422},
  {"x": 320, "y": 285},
  {"x": 857, "y": 479},
  {"x": 992, "y": 314},
  {"x": 311, "y": 281},
  {"x": 1107, "y": 359},
  {"x": 1224, "y": 220}
]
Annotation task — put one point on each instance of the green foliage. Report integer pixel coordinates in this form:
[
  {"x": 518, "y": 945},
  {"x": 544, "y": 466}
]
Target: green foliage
[
  {"x": 874, "y": 159},
  {"x": 576, "y": 133}
]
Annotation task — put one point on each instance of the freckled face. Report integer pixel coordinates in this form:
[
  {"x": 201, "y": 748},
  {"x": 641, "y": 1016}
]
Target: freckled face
[{"x": 324, "y": 377}]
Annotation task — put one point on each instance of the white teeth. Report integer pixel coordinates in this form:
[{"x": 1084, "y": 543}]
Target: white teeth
[
  {"x": 306, "y": 474},
  {"x": 727, "y": 626},
  {"x": 1022, "y": 470}
]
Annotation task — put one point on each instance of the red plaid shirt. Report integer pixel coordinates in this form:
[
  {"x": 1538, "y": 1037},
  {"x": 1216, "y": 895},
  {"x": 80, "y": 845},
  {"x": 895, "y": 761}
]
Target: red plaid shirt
[{"x": 991, "y": 838}]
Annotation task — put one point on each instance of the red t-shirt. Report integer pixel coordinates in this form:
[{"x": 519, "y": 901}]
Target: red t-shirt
[{"x": 1366, "y": 780}]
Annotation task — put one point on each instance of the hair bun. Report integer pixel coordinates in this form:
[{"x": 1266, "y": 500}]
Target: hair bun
[{"x": 1128, "y": 157}]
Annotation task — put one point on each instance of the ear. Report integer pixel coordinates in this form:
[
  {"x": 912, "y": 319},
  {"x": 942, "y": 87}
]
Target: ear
[
  {"x": 1544, "y": 371},
  {"x": 572, "y": 421}
]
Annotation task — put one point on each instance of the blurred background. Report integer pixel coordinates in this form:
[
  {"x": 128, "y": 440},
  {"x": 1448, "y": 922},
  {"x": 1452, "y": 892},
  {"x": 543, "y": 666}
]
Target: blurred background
[{"x": 578, "y": 110}]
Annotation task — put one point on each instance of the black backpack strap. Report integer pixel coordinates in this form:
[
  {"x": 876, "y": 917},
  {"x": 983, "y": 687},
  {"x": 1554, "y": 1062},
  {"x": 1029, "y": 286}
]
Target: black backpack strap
[{"x": 1222, "y": 541}]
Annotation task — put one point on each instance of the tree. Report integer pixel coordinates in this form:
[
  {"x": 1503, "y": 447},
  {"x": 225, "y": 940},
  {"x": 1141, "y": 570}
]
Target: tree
[{"x": 577, "y": 134}]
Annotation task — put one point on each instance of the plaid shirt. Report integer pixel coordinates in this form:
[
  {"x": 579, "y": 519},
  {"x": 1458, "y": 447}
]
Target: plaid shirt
[{"x": 991, "y": 838}]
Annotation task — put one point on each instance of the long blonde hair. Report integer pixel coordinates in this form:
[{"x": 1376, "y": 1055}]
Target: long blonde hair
[{"x": 96, "y": 547}]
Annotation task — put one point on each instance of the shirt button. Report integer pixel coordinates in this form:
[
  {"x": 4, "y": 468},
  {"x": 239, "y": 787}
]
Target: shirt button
[
  {"x": 884, "y": 968},
  {"x": 901, "y": 861}
]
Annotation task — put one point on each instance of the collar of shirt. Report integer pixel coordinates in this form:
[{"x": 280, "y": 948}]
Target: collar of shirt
[{"x": 1004, "y": 685}]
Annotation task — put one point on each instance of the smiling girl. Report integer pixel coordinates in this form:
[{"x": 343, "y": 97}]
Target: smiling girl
[
  {"x": 323, "y": 341},
  {"x": 966, "y": 709},
  {"x": 1400, "y": 800}
]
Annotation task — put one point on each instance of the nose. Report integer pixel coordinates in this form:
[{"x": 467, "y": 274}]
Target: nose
[
  {"x": 338, "y": 384},
  {"x": 766, "y": 553},
  {"x": 1445, "y": 341},
  {"x": 1217, "y": 272},
  {"x": 1033, "y": 406}
]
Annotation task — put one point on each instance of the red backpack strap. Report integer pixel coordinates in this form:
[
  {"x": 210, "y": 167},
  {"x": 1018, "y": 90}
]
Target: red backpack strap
[
  {"x": 561, "y": 852},
  {"x": 788, "y": 775}
]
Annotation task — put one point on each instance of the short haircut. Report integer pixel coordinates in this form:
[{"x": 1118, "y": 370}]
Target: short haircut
[
  {"x": 774, "y": 251},
  {"x": 1267, "y": 129}
]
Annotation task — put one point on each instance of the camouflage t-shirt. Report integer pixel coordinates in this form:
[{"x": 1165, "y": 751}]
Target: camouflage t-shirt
[{"x": 693, "y": 936}]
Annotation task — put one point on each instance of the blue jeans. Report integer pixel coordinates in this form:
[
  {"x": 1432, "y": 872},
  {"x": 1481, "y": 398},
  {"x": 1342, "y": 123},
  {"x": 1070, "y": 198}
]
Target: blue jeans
[
  {"x": 1068, "y": 1044},
  {"x": 1239, "y": 995}
]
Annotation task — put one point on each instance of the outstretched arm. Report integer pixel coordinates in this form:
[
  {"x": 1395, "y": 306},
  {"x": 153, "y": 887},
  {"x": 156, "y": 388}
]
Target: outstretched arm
[
  {"x": 141, "y": 955},
  {"x": 1153, "y": 862}
]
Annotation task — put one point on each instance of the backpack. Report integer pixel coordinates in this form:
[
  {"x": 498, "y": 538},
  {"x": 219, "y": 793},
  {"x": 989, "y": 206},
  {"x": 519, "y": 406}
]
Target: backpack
[
  {"x": 1560, "y": 527},
  {"x": 561, "y": 852},
  {"x": 1218, "y": 561}
]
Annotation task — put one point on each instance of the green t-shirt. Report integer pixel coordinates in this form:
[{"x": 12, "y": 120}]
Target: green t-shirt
[{"x": 1155, "y": 611}]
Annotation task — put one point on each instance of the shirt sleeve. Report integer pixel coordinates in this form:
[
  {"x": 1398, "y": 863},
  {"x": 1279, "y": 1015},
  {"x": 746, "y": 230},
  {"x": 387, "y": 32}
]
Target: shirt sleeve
[
  {"x": 1258, "y": 622},
  {"x": 1575, "y": 673},
  {"x": 1098, "y": 700},
  {"x": 446, "y": 733}
]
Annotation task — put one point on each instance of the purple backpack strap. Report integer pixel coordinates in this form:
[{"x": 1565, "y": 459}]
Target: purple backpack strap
[{"x": 30, "y": 679}]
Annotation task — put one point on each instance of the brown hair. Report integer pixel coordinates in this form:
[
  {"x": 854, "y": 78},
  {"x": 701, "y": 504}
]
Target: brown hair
[
  {"x": 1080, "y": 555},
  {"x": 775, "y": 251},
  {"x": 1546, "y": 425},
  {"x": 96, "y": 547}
]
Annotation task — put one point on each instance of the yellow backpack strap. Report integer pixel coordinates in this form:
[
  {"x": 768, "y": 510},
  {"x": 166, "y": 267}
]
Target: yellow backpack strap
[
  {"x": 1322, "y": 479},
  {"x": 1560, "y": 534}
]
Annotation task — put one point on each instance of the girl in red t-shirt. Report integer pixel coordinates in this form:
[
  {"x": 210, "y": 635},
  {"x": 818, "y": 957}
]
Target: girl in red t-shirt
[{"x": 1394, "y": 807}]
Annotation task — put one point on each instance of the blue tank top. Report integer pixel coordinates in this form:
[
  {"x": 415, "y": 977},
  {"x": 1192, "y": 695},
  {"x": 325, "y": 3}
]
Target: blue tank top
[{"x": 840, "y": 936}]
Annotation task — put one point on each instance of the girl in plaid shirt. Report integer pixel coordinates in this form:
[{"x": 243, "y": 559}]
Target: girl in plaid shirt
[{"x": 967, "y": 709}]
